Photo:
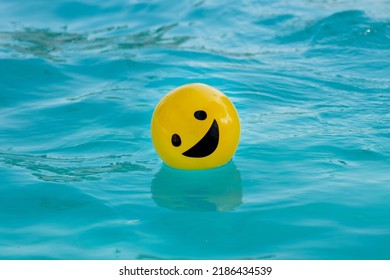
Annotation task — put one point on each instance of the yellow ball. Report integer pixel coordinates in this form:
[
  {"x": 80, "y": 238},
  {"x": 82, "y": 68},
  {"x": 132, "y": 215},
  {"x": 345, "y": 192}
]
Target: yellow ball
[{"x": 195, "y": 126}]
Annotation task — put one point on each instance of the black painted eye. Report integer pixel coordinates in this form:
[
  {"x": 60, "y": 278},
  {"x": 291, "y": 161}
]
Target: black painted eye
[
  {"x": 176, "y": 141},
  {"x": 200, "y": 115}
]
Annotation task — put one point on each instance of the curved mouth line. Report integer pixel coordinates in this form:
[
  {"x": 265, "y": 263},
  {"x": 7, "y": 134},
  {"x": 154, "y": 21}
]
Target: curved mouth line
[{"x": 207, "y": 145}]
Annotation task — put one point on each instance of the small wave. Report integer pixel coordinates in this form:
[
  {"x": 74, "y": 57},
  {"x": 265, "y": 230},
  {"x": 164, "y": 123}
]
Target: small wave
[{"x": 347, "y": 28}]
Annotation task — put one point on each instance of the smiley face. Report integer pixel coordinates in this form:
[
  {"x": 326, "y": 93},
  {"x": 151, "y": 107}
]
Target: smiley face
[
  {"x": 207, "y": 145},
  {"x": 195, "y": 126}
]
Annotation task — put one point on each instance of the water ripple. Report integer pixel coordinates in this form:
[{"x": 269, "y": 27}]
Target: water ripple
[
  {"x": 61, "y": 46},
  {"x": 63, "y": 170}
]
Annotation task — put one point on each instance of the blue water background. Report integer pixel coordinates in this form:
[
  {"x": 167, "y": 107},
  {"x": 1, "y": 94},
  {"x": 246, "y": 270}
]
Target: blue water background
[{"x": 79, "y": 178}]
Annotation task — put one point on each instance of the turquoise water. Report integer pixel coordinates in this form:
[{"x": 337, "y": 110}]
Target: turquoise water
[{"x": 79, "y": 178}]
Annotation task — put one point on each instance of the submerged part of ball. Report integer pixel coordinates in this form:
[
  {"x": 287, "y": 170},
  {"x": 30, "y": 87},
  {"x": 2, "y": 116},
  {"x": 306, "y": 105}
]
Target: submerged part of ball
[{"x": 195, "y": 126}]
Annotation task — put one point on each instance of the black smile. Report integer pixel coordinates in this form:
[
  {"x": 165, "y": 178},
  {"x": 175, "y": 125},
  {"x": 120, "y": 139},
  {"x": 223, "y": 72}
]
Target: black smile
[{"x": 207, "y": 145}]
